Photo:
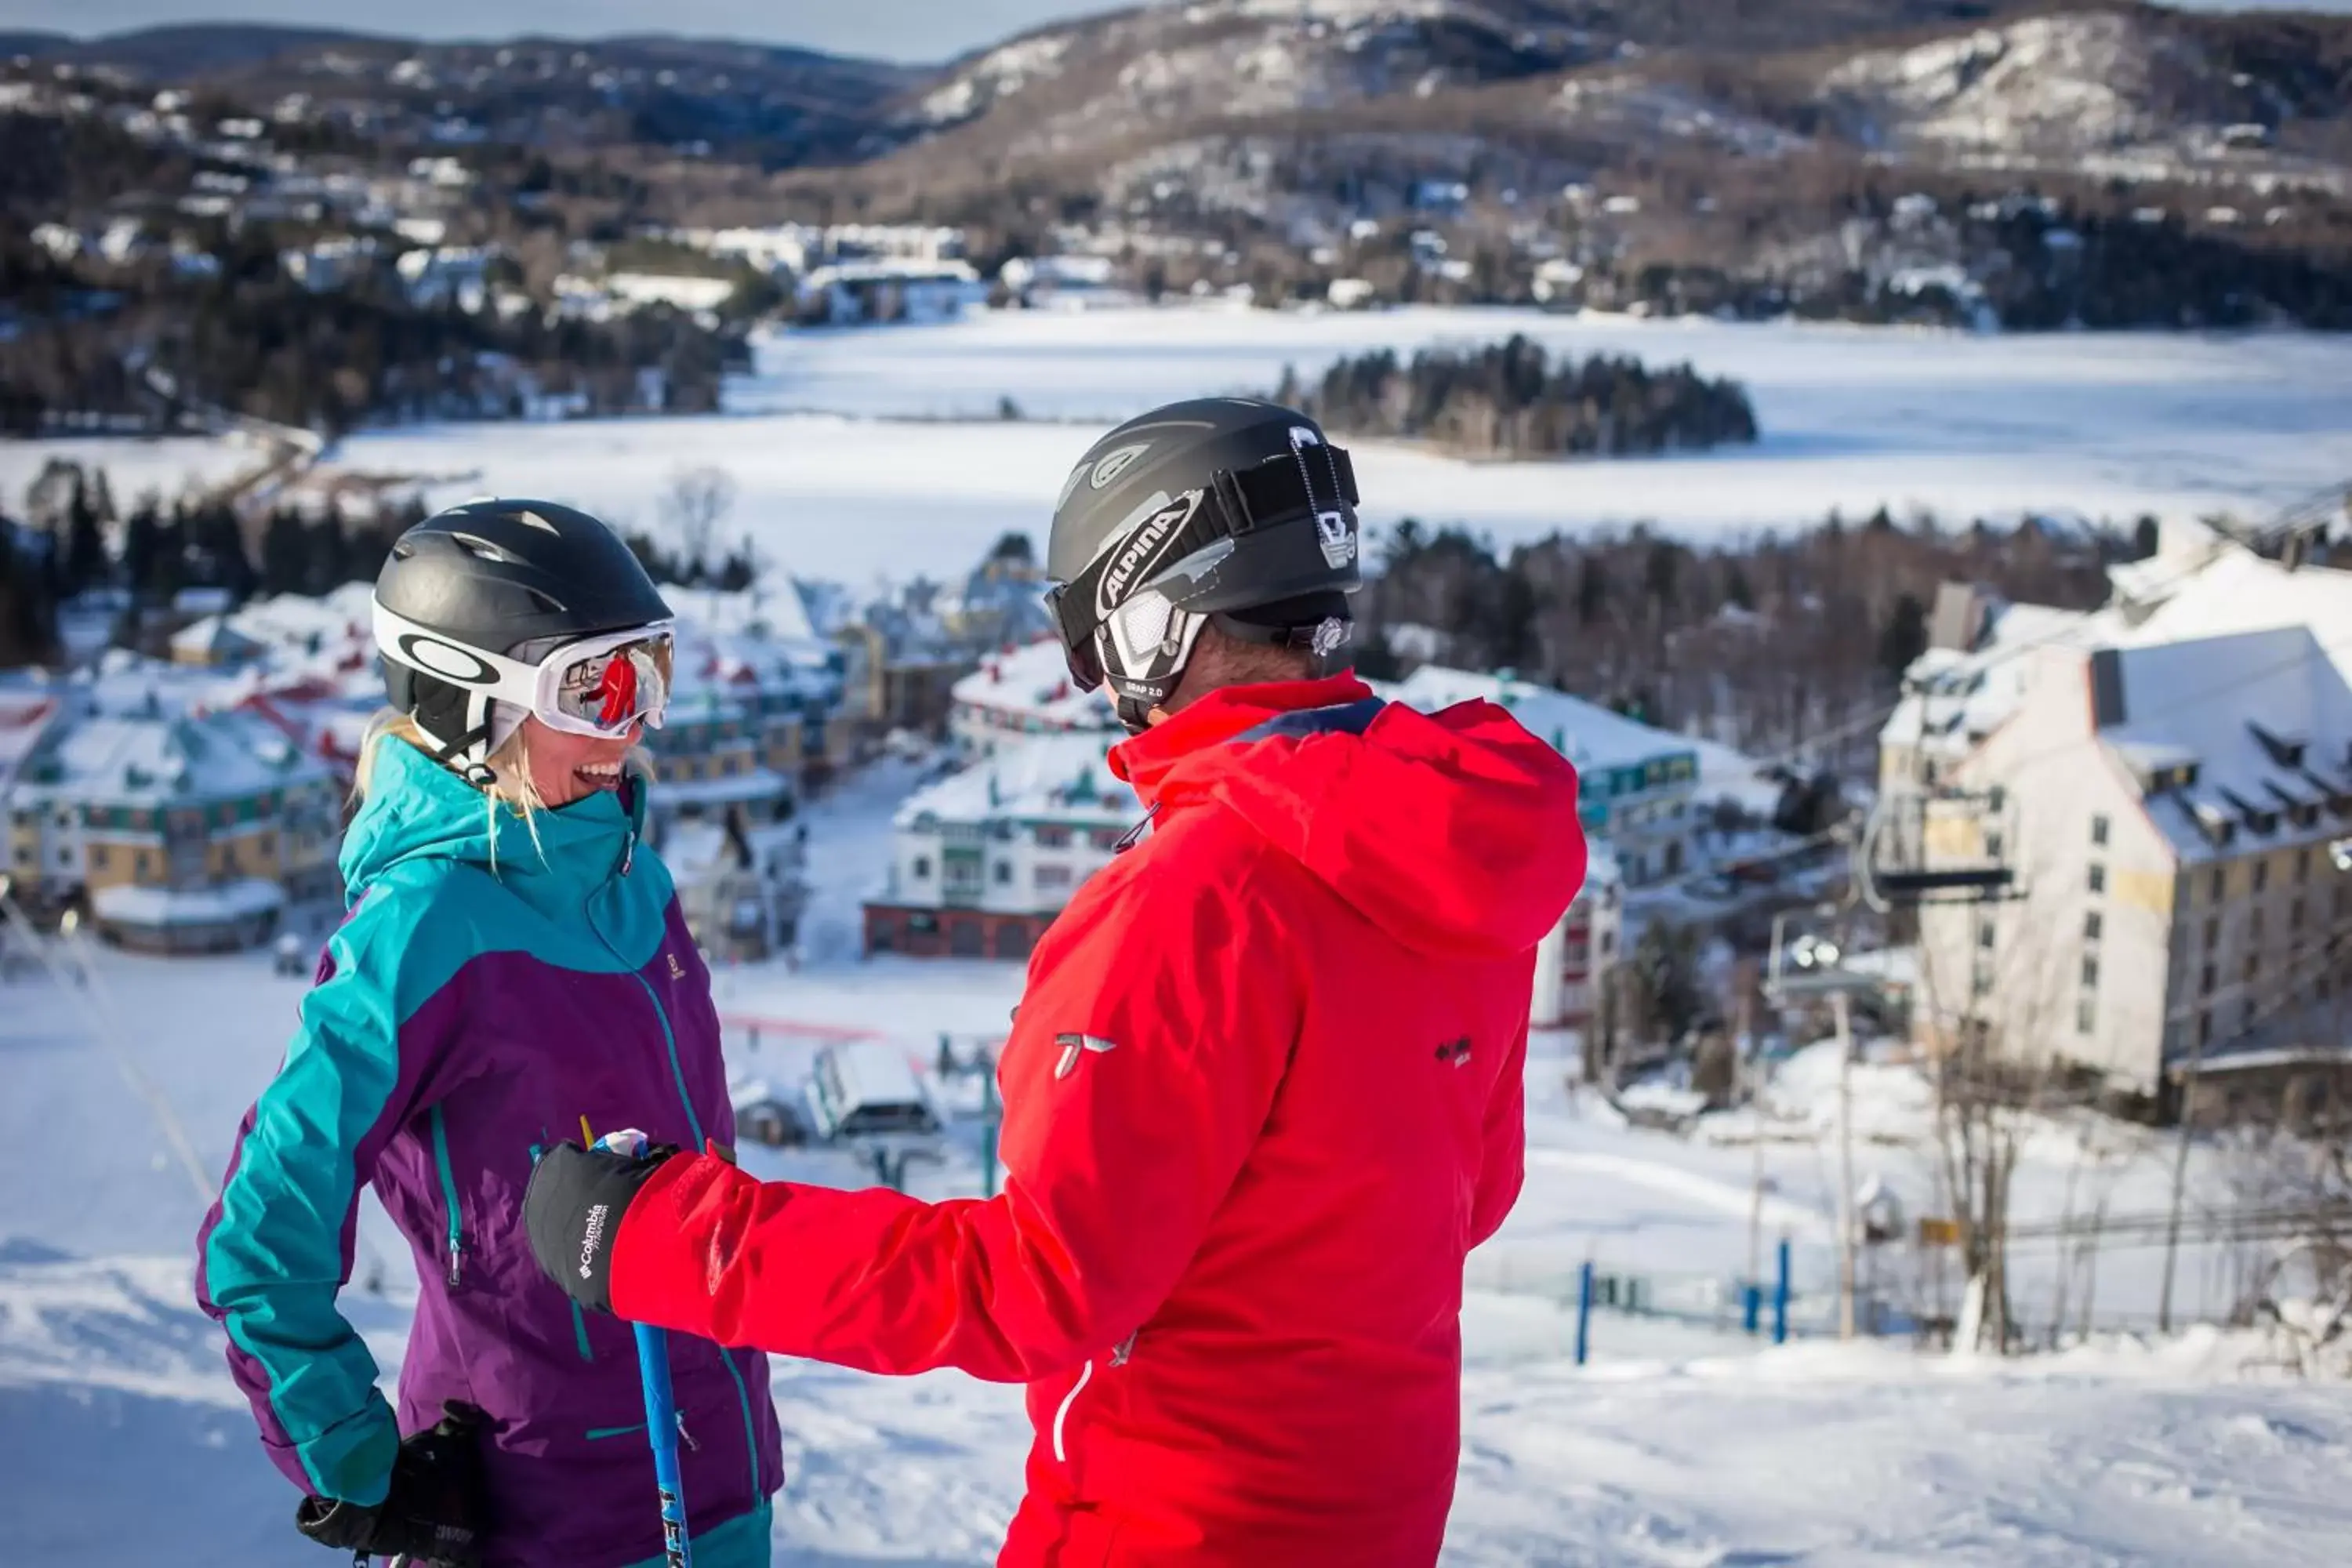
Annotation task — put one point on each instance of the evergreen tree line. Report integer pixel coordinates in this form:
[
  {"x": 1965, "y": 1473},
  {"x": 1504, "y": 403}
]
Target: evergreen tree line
[
  {"x": 78, "y": 544},
  {"x": 254, "y": 341},
  {"x": 1767, "y": 643},
  {"x": 1511, "y": 399},
  {"x": 79, "y": 541},
  {"x": 732, "y": 572}
]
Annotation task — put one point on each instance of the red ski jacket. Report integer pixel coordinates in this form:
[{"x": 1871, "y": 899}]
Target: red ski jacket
[{"x": 1261, "y": 1094}]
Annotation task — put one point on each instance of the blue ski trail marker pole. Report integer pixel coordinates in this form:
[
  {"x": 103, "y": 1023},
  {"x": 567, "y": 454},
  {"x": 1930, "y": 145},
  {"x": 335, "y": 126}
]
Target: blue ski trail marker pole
[{"x": 661, "y": 1404}]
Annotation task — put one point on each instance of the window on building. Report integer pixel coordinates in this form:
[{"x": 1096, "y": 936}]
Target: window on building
[
  {"x": 2099, "y": 832},
  {"x": 2212, "y": 932},
  {"x": 1052, "y": 836},
  {"x": 2248, "y": 1016},
  {"x": 2098, "y": 878},
  {"x": 1997, "y": 797},
  {"x": 2294, "y": 914},
  {"x": 922, "y": 867},
  {"x": 2092, "y": 925},
  {"x": 1053, "y": 876},
  {"x": 2302, "y": 867},
  {"x": 1984, "y": 933},
  {"x": 2085, "y": 1015},
  {"x": 97, "y": 857},
  {"x": 1608, "y": 945},
  {"x": 2253, "y": 967},
  {"x": 2262, "y": 875},
  {"x": 1981, "y": 983},
  {"x": 2090, "y": 973},
  {"x": 2205, "y": 980},
  {"x": 2220, "y": 885},
  {"x": 2204, "y": 1028},
  {"x": 2255, "y": 925},
  {"x": 1993, "y": 846},
  {"x": 1004, "y": 872}
]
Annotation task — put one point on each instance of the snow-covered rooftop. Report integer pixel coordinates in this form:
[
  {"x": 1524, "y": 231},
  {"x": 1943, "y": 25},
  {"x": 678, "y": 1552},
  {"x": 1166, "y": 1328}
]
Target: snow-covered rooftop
[
  {"x": 1954, "y": 698},
  {"x": 289, "y": 625},
  {"x": 1586, "y": 733},
  {"x": 127, "y": 905},
  {"x": 2266, "y": 718},
  {"x": 158, "y": 760},
  {"x": 1064, "y": 777},
  {"x": 2199, "y": 585},
  {"x": 1032, "y": 682},
  {"x": 25, "y": 717}
]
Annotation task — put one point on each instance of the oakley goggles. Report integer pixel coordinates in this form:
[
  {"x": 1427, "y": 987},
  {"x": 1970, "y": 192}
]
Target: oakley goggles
[{"x": 601, "y": 685}]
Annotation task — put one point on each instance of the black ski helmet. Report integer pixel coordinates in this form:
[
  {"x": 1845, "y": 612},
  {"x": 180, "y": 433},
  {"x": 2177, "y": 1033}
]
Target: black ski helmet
[
  {"x": 495, "y": 576},
  {"x": 1222, "y": 509}
]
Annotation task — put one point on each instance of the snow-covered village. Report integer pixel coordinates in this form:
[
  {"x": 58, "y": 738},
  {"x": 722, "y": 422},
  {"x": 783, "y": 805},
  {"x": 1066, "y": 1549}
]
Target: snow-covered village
[{"x": 734, "y": 819}]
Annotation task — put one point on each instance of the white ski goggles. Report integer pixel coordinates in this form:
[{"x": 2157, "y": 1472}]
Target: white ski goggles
[{"x": 599, "y": 686}]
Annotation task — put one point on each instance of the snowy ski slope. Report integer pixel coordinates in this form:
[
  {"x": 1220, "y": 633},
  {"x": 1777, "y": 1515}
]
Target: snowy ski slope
[{"x": 121, "y": 1440}]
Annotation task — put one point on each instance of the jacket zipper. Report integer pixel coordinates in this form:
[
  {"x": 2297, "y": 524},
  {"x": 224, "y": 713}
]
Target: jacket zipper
[
  {"x": 1062, "y": 1414},
  {"x": 448, "y": 1196},
  {"x": 694, "y": 1125},
  {"x": 1119, "y": 1354}
]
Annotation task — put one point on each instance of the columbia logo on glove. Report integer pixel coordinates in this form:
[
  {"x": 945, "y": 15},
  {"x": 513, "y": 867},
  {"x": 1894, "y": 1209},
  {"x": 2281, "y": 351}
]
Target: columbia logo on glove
[
  {"x": 578, "y": 1201},
  {"x": 588, "y": 1242}
]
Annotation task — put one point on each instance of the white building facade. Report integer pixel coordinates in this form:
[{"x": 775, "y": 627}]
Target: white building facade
[
  {"x": 984, "y": 860},
  {"x": 2167, "y": 812}
]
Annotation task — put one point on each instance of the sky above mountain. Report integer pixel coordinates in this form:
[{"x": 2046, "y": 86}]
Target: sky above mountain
[{"x": 909, "y": 30}]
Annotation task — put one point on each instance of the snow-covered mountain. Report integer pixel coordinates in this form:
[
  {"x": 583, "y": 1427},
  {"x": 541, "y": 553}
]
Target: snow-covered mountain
[{"x": 1461, "y": 88}]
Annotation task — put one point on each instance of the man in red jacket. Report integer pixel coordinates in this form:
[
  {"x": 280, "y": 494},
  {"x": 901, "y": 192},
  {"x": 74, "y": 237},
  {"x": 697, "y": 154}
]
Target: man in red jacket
[{"x": 1262, "y": 1091}]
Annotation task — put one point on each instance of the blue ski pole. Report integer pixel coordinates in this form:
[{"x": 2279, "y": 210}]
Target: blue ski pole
[
  {"x": 661, "y": 1430},
  {"x": 661, "y": 1404}
]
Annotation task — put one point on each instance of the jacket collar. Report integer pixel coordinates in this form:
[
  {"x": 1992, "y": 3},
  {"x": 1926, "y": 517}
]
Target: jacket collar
[{"x": 1222, "y": 715}]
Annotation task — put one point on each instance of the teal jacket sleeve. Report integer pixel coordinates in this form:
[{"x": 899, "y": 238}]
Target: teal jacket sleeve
[{"x": 276, "y": 1247}]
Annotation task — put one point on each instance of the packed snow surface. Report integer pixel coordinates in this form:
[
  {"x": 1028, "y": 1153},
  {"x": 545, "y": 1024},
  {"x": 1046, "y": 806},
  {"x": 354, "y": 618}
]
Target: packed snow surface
[
  {"x": 868, "y": 452},
  {"x": 122, "y": 1441}
]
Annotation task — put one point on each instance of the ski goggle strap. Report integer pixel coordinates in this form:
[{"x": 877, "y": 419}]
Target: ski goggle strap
[
  {"x": 592, "y": 686},
  {"x": 1278, "y": 492}
]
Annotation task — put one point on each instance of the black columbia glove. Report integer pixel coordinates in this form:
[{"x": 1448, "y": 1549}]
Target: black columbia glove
[
  {"x": 572, "y": 1213},
  {"x": 435, "y": 1510}
]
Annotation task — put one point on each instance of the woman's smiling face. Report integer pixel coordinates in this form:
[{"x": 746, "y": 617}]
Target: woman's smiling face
[{"x": 566, "y": 767}]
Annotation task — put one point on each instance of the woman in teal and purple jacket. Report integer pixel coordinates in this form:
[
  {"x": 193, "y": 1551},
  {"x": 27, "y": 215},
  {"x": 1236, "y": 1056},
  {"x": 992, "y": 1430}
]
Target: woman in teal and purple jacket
[{"x": 513, "y": 961}]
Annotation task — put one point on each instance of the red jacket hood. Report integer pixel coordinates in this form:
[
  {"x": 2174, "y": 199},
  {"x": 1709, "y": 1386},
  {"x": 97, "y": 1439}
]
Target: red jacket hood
[{"x": 1455, "y": 832}]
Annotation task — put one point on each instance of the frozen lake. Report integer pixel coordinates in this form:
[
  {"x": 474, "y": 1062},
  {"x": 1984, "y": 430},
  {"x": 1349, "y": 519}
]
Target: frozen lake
[{"x": 860, "y": 453}]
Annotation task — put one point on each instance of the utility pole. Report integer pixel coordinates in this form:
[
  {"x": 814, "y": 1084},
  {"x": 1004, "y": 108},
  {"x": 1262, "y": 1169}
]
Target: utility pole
[
  {"x": 2179, "y": 1185},
  {"x": 1756, "y": 1129},
  {"x": 1840, "y": 1010}
]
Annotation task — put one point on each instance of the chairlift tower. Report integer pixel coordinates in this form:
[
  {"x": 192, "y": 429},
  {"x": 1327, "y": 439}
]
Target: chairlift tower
[{"x": 1809, "y": 965}]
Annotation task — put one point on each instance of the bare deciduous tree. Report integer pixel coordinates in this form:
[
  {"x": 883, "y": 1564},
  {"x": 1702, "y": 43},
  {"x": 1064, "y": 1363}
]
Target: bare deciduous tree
[{"x": 696, "y": 503}]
